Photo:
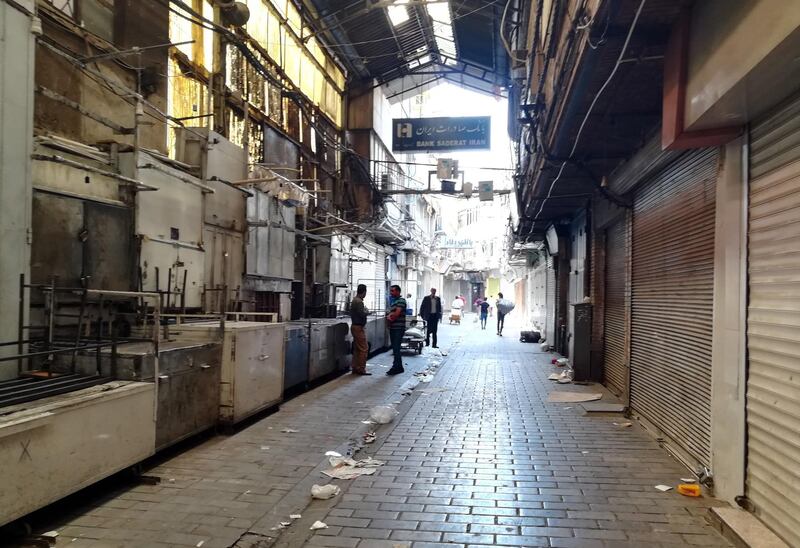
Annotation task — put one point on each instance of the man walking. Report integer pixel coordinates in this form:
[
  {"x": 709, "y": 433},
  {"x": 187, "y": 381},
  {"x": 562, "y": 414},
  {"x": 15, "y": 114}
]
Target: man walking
[
  {"x": 397, "y": 327},
  {"x": 484, "y": 308},
  {"x": 501, "y": 317},
  {"x": 358, "y": 315},
  {"x": 431, "y": 312}
]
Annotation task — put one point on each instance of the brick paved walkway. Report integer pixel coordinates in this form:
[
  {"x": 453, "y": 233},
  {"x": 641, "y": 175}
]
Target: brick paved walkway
[{"x": 477, "y": 458}]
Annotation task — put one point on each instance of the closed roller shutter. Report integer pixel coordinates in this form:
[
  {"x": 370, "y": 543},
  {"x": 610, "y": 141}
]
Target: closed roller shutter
[
  {"x": 773, "y": 322},
  {"x": 672, "y": 297},
  {"x": 550, "y": 323},
  {"x": 363, "y": 271},
  {"x": 379, "y": 285},
  {"x": 615, "y": 349}
]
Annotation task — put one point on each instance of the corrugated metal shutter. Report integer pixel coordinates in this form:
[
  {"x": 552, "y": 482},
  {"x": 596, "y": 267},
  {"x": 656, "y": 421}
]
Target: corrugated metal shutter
[
  {"x": 379, "y": 285},
  {"x": 615, "y": 348},
  {"x": 550, "y": 323},
  {"x": 672, "y": 297},
  {"x": 577, "y": 262},
  {"x": 773, "y": 322},
  {"x": 363, "y": 272}
]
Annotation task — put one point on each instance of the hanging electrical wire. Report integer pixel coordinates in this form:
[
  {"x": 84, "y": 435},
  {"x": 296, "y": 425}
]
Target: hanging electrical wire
[{"x": 591, "y": 107}]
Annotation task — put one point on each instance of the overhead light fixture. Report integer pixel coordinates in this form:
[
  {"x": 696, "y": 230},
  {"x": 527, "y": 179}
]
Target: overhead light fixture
[{"x": 397, "y": 14}]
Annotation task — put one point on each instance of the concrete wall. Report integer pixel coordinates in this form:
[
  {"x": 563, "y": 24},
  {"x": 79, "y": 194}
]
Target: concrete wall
[
  {"x": 16, "y": 117},
  {"x": 742, "y": 59}
]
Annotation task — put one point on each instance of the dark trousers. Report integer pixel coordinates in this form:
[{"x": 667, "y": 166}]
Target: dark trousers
[
  {"x": 432, "y": 328},
  {"x": 501, "y": 321},
  {"x": 396, "y": 336}
]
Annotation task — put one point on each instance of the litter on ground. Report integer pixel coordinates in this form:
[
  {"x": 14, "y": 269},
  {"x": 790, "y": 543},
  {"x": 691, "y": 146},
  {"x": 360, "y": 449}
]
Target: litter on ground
[
  {"x": 553, "y": 377},
  {"x": 295, "y": 516},
  {"x": 663, "y": 488},
  {"x": 626, "y": 424},
  {"x": 318, "y": 525},
  {"x": 333, "y": 454},
  {"x": 688, "y": 480},
  {"x": 324, "y": 492},
  {"x": 573, "y": 397},
  {"x": 383, "y": 414},
  {"x": 344, "y": 468},
  {"x": 689, "y": 490},
  {"x": 369, "y": 437},
  {"x": 289, "y": 431}
]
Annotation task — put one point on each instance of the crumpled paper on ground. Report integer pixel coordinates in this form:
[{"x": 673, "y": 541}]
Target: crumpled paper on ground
[{"x": 346, "y": 468}]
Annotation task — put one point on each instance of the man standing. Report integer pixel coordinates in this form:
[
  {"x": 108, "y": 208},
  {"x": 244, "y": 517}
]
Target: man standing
[
  {"x": 358, "y": 315},
  {"x": 431, "y": 312},
  {"x": 397, "y": 327},
  {"x": 484, "y": 308}
]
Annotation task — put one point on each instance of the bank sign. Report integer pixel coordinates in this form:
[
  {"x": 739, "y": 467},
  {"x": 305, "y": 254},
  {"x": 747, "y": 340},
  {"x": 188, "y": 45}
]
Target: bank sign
[
  {"x": 441, "y": 134},
  {"x": 449, "y": 242}
]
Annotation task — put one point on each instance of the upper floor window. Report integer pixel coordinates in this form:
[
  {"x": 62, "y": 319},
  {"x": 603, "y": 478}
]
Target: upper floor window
[{"x": 96, "y": 16}]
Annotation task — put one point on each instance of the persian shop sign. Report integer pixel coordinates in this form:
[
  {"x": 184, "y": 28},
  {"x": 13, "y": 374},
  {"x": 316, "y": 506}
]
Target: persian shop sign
[
  {"x": 455, "y": 243},
  {"x": 441, "y": 134}
]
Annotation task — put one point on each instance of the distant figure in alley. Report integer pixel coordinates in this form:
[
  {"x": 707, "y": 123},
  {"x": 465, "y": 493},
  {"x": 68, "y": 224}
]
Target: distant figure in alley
[
  {"x": 397, "y": 327},
  {"x": 358, "y": 315},
  {"x": 431, "y": 312},
  {"x": 501, "y": 317},
  {"x": 484, "y": 310}
]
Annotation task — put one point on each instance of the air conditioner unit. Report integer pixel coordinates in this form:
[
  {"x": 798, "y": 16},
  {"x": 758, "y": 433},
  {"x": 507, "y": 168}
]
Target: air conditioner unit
[
  {"x": 387, "y": 180},
  {"x": 401, "y": 258}
]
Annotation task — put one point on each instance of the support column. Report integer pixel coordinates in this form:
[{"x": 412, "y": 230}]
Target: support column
[
  {"x": 728, "y": 356},
  {"x": 16, "y": 142}
]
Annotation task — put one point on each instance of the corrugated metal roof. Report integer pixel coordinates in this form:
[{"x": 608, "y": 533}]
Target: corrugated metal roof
[{"x": 363, "y": 36}]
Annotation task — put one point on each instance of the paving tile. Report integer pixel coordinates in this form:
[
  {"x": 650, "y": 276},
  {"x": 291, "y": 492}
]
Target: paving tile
[{"x": 487, "y": 461}]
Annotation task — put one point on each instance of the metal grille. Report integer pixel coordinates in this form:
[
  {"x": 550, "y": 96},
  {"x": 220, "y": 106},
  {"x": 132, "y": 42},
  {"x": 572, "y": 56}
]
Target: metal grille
[
  {"x": 615, "y": 348},
  {"x": 550, "y": 322},
  {"x": 672, "y": 296},
  {"x": 773, "y": 322}
]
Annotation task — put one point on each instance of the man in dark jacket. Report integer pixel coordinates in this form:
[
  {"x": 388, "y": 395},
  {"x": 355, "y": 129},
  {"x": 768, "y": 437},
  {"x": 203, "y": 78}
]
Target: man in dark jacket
[{"x": 431, "y": 312}]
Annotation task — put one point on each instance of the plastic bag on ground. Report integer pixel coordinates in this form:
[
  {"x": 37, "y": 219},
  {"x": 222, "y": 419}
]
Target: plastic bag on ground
[
  {"x": 324, "y": 492},
  {"x": 383, "y": 414}
]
